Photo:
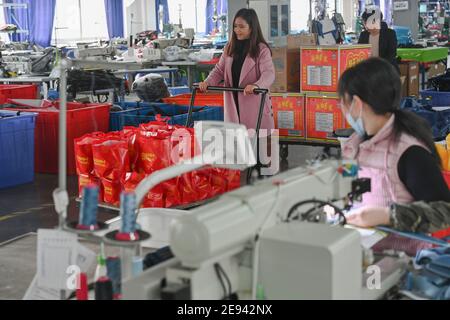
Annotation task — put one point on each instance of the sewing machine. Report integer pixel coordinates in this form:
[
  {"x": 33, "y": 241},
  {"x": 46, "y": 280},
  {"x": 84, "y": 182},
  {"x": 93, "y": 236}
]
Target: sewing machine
[
  {"x": 244, "y": 237},
  {"x": 94, "y": 51}
]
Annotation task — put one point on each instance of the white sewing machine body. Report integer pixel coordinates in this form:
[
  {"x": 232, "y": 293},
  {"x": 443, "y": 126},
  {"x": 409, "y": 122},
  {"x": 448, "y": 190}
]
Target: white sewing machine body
[{"x": 297, "y": 260}]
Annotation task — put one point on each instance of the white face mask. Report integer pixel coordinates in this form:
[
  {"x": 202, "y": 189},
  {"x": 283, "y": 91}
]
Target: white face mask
[{"x": 358, "y": 124}]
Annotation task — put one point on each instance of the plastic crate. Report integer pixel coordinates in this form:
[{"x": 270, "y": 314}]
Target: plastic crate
[
  {"x": 201, "y": 99},
  {"x": 17, "y": 92},
  {"x": 16, "y": 148},
  {"x": 438, "y": 120},
  {"x": 438, "y": 98},
  {"x": 174, "y": 91},
  {"x": 130, "y": 106},
  {"x": 81, "y": 119},
  {"x": 177, "y": 114}
]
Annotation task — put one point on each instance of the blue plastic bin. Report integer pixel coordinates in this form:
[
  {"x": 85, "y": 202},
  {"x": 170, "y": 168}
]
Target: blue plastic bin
[
  {"x": 438, "y": 120},
  {"x": 114, "y": 117},
  {"x": 16, "y": 148},
  {"x": 438, "y": 98},
  {"x": 174, "y": 91},
  {"x": 177, "y": 114}
]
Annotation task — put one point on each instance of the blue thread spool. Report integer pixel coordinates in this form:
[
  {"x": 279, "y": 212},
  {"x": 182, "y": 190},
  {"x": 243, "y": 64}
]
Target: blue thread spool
[
  {"x": 114, "y": 271},
  {"x": 127, "y": 209},
  {"x": 89, "y": 207},
  {"x": 138, "y": 266}
]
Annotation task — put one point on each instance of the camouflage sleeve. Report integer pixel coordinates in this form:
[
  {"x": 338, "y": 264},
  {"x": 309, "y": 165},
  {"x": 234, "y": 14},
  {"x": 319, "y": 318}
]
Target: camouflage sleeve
[{"x": 421, "y": 217}]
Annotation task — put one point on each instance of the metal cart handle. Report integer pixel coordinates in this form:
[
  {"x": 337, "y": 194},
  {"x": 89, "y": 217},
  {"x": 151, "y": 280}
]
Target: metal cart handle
[
  {"x": 262, "y": 92},
  {"x": 229, "y": 89}
]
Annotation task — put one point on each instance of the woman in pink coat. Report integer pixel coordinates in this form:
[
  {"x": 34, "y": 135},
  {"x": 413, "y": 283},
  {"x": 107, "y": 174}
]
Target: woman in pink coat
[{"x": 245, "y": 63}]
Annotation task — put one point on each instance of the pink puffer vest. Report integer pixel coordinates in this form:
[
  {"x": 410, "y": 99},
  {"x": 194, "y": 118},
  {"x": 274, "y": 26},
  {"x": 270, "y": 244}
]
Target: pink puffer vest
[{"x": 378, "y": 160}]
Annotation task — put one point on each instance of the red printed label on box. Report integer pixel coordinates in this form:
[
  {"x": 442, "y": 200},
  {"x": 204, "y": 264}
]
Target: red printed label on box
[
  {"x": 350, "y": 58},
  {"x": 323, "y": 117},
  {"x": 289, "y": 115},
  {"x": 319, "y": 70}
]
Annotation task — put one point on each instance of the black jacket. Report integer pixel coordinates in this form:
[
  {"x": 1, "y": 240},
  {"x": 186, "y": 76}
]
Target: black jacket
[{"x": 388, "y": 43}]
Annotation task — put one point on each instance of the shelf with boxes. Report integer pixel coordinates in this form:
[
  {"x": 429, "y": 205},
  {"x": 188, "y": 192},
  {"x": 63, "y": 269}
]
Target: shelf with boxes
[{"x": 304, "y": 98}]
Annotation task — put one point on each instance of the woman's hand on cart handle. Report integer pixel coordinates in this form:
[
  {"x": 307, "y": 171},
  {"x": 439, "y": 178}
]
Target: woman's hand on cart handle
[
  {"x": 250, "y": 89},
  {"x": 203, "y": 86}
]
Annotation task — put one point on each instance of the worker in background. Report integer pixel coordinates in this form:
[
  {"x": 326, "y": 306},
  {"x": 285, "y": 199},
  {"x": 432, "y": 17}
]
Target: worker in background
[
  {"x": 245, "y": 63},
  {"x": 415, "y": 217},
  {"x": 377, "y": 34},
  {"x": 393, "y": 147}
]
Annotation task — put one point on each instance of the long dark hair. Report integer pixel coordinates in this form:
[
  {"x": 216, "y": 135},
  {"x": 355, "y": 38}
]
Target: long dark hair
[
  {"x": 256, "y": 35},
  {"x": 377, "y": 83}
]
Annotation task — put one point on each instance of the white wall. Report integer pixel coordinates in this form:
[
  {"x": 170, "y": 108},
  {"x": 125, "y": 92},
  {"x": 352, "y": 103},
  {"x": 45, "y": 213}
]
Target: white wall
[
  {"x": 409, "y": 18},
  {"x": 347, "y": 10},
  {"x": 233, "y": 7},
  {"x": 140, "y": 15}
]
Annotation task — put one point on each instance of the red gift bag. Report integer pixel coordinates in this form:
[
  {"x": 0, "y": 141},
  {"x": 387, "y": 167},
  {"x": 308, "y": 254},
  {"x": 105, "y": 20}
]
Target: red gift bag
[
  {"x": 130, "y": 134},
  {"x": 233, "y": 179},
  {"x": 218, "y": 181},
  {"x": 111, "y": 191},
  {"x": 111, "y": 158},
  {"x": 83, "y": 152},
  {"x": 172, "y": 194},
  {"x": 155, "y": 198},
  {"x": 131, "y": 181},
  {"x": 154, "y": 150}
]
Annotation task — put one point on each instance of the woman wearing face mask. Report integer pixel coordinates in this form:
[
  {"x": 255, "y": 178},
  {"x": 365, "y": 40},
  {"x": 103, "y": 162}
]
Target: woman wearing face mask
[
  {"x": 245, "y": 63},
  {"x": 377, "y": 33},
  {"x": 393, "y": 147}
]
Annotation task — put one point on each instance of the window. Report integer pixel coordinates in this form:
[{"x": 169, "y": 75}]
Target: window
[
  {"x": 79, "y": 20},
  {"x": 299, "y": 15},
  {"x": 3, "y": 35},
  {"x": 193, "y": 13}
]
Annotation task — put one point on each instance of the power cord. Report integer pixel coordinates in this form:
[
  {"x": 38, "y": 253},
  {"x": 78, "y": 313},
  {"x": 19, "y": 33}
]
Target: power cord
[
  {"x": 228, "y": 294},
  {"x": 293, "y": 214},
  {"x": 219, "y": 276}
]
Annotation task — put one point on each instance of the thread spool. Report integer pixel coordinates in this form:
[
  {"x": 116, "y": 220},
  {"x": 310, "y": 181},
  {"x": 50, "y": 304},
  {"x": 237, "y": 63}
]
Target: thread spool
[
  {"x": 114, "y": 272},
  {"x": 82, "y": 290},
  {"x": 138, "y": 266},
  {"x": 89, "y": 209},
  {"x": 103, "y": 289},
  {"x": 128, "y": 231}
]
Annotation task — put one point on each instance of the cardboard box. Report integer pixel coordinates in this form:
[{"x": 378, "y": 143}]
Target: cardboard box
[
  {"x": 289, "y": 114},
  {"x": 404, "y": 86},
  {"x": 287, "y": 70},
  {"x": 323, "y": 117},
  {"x": 297, "y": 41},
  {"x": 436, "y": 69},
  {"x": 410, "y": 70},
  {"x": 322, "y": 66}
]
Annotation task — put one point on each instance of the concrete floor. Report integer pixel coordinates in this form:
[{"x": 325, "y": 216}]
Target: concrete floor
[{"x": 26, "y": 208}]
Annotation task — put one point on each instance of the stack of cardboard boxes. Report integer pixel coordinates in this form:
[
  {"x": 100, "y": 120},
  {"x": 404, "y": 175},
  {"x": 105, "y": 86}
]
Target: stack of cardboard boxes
[
  {"x": 287, "y": 101},
  {"x": 304, "y": 95},
  {"x": 409, "y": 74}
]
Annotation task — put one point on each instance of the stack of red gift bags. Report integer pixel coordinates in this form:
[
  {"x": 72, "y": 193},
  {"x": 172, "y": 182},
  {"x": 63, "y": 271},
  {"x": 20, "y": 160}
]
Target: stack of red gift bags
[{"x": 119, "y": 161}]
